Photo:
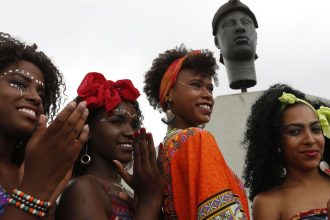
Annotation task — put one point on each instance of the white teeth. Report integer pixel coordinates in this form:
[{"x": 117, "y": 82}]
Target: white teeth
[
  {"x": 29, "y": 111},
  {"x": 205, "y": 106},
  {"x": 126, "y": 145}
]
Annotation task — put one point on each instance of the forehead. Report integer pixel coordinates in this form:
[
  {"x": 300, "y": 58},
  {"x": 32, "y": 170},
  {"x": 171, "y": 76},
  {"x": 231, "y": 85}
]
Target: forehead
[
  {"x": 234, "y": 15},
  {"x": 298, "y": 113},
  {"x": 126, "y": 106},
  {"x": 188, "y": 74},
  {"x": 27, "y": 66}
]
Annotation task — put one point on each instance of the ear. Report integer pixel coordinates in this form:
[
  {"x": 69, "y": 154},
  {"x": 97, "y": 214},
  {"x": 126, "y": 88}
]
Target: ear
[
  {"x": 168, "y": 99},
  {"x": 216, "y": 42}
]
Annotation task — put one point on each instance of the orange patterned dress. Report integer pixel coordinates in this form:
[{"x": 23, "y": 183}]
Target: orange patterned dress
[{"x": 199, "y": 184}]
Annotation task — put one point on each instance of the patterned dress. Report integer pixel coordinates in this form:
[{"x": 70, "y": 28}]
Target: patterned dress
[
  {"x": 199, "y": 184},
  {"x": 120, "y": 208},
  {"x": 3, "y": 200},
  {"x": 312, "y": 214}
]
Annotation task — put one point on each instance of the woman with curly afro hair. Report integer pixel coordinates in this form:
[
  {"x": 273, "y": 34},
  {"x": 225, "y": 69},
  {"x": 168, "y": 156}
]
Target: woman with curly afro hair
[
  {"x": 198, "y": 182},
  {"x": 288, "y": 149},
  {"x": 30, "y": 91}
]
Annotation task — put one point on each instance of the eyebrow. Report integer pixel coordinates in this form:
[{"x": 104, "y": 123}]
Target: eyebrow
[{"x": 301, "y": 124}]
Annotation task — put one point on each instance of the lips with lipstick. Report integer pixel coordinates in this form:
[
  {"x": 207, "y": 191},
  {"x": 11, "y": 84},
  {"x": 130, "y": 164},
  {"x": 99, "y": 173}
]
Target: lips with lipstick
[{"x": 310, "y": 153}]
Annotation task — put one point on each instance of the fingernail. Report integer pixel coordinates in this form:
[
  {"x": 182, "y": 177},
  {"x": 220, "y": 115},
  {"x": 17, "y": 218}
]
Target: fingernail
[
  {"x": 136, "y": 133},
  {"x": 149, "y": 135},
  {"x": 160, "y": 146},
  {"x": 142, "y": 130},
  {"x": 86, "y": 127},
  {"x": 85, "y": 113},
  {"x": 82, "y": 104},
  {"x": 72, "y": 104}
]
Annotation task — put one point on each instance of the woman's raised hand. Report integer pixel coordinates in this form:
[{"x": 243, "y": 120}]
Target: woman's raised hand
[{"x": 52, "y": 151}]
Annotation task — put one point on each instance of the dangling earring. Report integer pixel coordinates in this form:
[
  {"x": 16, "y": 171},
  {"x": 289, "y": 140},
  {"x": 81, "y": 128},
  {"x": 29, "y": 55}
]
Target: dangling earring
[
  {"x": 324, "y": 167},
  {"x": 85, "y": 158},
  {"x": 283, "y": 172},
  {"x": 169, "y": 117}
]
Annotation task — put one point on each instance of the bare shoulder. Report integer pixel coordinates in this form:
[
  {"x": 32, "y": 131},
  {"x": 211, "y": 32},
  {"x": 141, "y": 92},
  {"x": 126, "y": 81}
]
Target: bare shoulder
[
  {"x": 83, "y": 198},
  {"x": 267, "y": 205}
]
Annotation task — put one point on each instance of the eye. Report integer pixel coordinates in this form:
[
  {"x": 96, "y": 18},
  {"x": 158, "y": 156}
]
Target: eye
[
  {"x": 136, "y": 125},
  {"x": 229, "y": 23},
  {"x": 195, "y": 85},
  {"x": 210, "y": 88},
  {"x": 117, "y": 122},
  {"x": 18, "y": 84},
  {"x": 294, "y": 131},
  {"x": 317, "y": 129},
  {"x": 246, "y": 21}
]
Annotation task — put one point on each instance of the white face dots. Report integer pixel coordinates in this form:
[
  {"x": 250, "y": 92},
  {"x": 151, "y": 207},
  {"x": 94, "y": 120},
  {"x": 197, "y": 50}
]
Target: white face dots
[{"x": 20, "y": 71}]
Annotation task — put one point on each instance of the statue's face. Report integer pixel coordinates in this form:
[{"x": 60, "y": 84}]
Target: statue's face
[{"x": 236, "y": 37}]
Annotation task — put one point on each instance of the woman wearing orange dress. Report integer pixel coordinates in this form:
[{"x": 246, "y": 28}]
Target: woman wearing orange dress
[{"x": 199, "y": 183}]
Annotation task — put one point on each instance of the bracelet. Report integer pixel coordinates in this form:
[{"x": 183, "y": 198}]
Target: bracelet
[
  {"x": 29, "y": 203},
  {"x": 31, "y": 198},
  {"x": 26, "y": 208}
]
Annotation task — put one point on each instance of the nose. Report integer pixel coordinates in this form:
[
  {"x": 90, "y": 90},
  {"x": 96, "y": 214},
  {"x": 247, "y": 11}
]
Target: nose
[
  {"x": 128, "y": 131},
  {"x": 206, "y": 93},
  {"x": 240, "y": 28},
  {"x": 33, "y": 96},
  {"x": 309, "y": 138}
]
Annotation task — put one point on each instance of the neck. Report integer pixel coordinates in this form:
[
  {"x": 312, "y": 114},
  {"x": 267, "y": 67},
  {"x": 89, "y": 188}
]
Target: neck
[
  {"x": 240, "y": 70},
  {"x": 6, "y": 149},
  {"x": 102, "y": 169},
  {"x": 304, "y": 178}
]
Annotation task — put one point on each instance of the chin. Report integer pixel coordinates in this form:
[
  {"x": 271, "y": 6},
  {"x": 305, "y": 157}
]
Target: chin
[
  {"x": 243, "y": 53},
  {"x": 24, "y": 130},
  {"x": 126, "y": 159}
]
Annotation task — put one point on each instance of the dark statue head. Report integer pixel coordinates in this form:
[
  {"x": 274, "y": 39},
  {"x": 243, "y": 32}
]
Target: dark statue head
[
  {"x": 234, "y": 29},
  {"x": 234, "y": 32}
]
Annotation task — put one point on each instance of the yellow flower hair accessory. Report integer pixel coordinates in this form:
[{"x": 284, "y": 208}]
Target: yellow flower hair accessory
[
  {"x": 323, "y": 113},
  {"x": 289, "y": 99},
  {"x": 324, "y": 117}
]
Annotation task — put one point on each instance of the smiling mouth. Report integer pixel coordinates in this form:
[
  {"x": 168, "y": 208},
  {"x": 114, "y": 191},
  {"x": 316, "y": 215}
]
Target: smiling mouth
[
  {"x": 28, "y": 111},
  {"x": 206, "y": 107},
  {"x": 126, "y": 146}
]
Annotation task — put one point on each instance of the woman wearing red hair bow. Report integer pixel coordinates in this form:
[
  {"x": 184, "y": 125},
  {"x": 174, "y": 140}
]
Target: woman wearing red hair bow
[
  {"x": 114, "y": 119},
  {"x": 199, "y": 184}
]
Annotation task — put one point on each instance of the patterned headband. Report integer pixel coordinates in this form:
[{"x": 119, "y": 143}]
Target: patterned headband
[{"x": 323, "y": 113}]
